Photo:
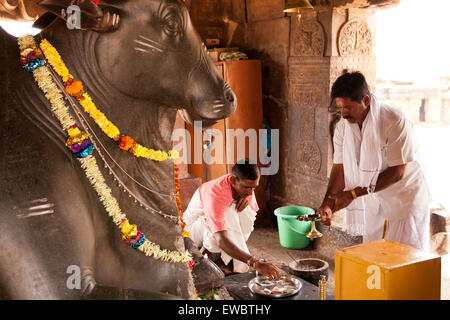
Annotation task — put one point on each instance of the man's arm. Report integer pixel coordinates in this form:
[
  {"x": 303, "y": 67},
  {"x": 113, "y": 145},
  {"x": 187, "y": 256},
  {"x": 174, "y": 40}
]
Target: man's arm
[
  {"x": 386, "y": 178},
  {"x": 231, "y": 249},
  {"x": 336, "y": 184}
]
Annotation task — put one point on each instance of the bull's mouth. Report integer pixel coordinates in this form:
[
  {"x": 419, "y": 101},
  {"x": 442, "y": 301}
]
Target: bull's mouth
[
  {"x": 209, "y": 113},
  {"x": 189, "y": 118},
  {"x": 210, "y": 109}
]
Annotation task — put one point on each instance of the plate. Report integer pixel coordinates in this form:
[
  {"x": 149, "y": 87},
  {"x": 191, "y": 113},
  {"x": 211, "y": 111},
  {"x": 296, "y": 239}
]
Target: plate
[{"x": 285, "y": 287}]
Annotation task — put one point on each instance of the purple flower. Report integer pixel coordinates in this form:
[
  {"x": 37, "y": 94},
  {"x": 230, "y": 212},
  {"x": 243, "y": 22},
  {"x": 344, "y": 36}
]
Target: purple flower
[
  {"x": 85, "y": 143},
  {"x": 75, "y": 147}
]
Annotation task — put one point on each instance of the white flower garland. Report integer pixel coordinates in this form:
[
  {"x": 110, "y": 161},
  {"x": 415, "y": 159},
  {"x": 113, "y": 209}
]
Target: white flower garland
[{"x": 42, "y": 76}]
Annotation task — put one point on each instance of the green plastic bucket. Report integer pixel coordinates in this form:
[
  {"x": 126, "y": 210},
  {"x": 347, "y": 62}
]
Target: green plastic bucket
[{"x": 292, "y": 232}]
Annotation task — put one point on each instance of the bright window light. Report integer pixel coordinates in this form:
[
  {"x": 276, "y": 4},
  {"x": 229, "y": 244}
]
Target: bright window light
[{"x": 18, "y": 29}]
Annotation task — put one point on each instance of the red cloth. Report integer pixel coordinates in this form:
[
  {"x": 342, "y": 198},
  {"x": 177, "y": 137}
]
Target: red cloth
[{"x": 216, "y": 197}]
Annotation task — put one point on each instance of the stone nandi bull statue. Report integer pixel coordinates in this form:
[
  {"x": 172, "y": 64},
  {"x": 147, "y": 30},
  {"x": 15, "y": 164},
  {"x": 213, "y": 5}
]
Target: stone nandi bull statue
[{"x": 140, "y": 61}]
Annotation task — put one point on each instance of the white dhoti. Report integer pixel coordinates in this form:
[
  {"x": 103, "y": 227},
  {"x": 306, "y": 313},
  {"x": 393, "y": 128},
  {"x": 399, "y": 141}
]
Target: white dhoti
[
  {"x": 400, "y": 212},
  {"x": 239, "y": 228},
  {"x": 413, "y": 231}
]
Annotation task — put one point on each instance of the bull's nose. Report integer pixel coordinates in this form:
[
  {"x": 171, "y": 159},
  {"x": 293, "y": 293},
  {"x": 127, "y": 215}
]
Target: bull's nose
[
  {"x": 230, "y": 96},
  {"x": 211, "y": 100}
]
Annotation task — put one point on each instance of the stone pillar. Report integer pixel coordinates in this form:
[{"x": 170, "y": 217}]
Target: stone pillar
[{"x": 308, "y": 74}]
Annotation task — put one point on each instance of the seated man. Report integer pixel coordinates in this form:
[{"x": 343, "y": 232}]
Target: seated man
[{"x": 220, "y": 218}]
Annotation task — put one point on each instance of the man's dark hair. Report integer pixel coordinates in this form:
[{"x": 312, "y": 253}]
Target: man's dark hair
[
  {"x": 245, "y": 169},
  {"x": 351, "y": 85}
]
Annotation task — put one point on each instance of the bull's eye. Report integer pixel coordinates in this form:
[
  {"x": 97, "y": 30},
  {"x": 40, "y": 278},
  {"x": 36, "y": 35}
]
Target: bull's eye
[{"x": 172, "y": 22}]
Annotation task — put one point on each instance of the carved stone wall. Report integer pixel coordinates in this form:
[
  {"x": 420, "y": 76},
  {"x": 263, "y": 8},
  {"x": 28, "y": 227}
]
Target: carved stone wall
[
  {"x": 308, "y": 37},
  {"x": 355, "y": 39},
  {"x": 355, "y": 43}
]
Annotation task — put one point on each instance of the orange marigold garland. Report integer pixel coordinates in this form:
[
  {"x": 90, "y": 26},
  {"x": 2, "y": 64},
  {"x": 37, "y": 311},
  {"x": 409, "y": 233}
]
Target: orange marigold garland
[
  {"x": 185, "y": 233},
  {"x": 75, "y": 89},
  {"x": 126, "y": 143},
  {"x": 178, "y": 197}
]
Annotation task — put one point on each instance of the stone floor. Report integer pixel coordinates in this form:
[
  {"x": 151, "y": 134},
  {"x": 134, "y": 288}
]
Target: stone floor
[{"x": 264, "y": 242}]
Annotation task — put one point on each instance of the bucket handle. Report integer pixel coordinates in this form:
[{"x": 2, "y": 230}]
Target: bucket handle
[{"x": 282, "y": 218}]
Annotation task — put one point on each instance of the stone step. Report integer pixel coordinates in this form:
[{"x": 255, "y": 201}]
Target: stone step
[{"x": 440, "y": 220}]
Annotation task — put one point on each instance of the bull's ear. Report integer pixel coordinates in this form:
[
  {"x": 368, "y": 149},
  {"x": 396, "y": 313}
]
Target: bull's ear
[
  {"x": 92, "y": 16},
  {"x": 45, "y": 20},
  {"x": 59, "y": 7}
]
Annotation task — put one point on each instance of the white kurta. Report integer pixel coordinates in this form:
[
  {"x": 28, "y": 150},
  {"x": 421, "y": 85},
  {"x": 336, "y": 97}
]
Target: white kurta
[
  {"x": 239, "y": 228},
  {"x": 405, "y": 205}
]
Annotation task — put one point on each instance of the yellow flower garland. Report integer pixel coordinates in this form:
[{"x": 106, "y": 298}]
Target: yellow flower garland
[
  {"x": 55, "y": 60},
  {"x": 42, "y": 76}
]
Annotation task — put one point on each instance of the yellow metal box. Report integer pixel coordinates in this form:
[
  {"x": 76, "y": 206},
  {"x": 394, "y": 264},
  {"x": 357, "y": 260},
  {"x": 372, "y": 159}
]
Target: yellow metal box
[{"x": 386, "y": 270}]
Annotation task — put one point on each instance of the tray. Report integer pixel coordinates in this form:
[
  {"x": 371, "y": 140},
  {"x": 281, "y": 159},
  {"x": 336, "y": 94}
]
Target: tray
[{"x": 290, "y": 283}]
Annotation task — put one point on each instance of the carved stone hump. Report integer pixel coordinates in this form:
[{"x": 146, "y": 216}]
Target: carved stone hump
[{"x": 355, "y": 38}]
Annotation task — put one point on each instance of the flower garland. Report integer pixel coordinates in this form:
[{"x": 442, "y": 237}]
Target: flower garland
[
  {"x": 178, "y": 198},
  {"x": 75, "y": 89},
  {"x": 32, "y": 60},
  {"x": 185, "y": 233}
]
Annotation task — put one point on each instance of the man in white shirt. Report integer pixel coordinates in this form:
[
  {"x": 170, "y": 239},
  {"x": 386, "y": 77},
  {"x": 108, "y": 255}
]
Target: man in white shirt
[{"x": 375, "y": 174}]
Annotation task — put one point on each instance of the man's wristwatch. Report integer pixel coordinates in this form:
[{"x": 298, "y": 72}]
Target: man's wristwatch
[{"x": 353, "y": 194}]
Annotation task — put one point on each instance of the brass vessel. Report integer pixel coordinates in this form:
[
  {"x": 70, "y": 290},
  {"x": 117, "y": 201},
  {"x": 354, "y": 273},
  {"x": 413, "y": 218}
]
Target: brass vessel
[
  {"x": 322, "y": 287},
  {"x": 313, "y": 234}
]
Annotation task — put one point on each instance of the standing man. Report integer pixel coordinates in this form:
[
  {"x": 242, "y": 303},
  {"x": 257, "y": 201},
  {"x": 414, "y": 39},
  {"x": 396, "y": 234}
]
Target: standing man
[
  {"x": 221, "y": 214},
  {"x": 375, "y": 174}
]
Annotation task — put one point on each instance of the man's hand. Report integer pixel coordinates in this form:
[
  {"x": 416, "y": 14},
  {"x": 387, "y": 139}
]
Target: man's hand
[
  {"x": 268, "y": 269},
  {"x": 241, "y": 204},
  {"x": 326, "y": 212},
  {"x": 342, "y": 200}
]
